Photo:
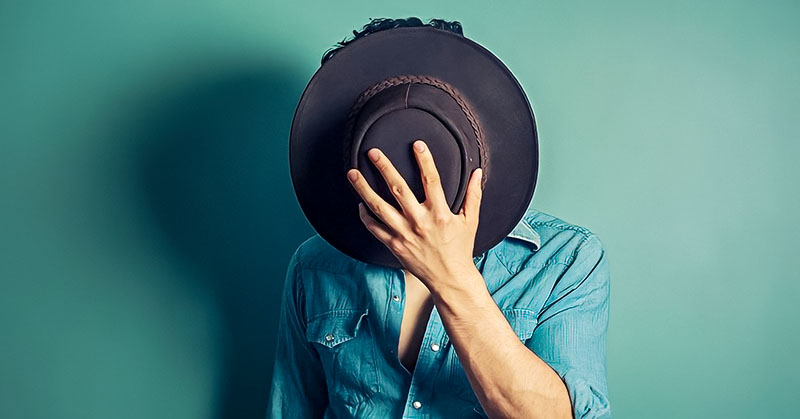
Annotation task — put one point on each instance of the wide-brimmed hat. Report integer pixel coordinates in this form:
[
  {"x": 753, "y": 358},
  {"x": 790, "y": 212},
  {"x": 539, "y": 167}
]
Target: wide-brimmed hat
[{"x": 387, "y": 90}]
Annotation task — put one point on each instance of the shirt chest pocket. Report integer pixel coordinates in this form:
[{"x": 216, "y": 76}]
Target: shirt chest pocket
[
  {"x": 347, "y": 349},
  {"x": 522, "y": 322}
]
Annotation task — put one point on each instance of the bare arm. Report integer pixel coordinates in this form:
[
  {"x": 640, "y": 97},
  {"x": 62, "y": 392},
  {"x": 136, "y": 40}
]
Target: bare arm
[{"x": 507, "y": 377}]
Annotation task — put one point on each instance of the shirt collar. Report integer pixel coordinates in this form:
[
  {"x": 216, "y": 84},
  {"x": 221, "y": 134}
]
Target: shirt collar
[{"x": 524, "y": 231}]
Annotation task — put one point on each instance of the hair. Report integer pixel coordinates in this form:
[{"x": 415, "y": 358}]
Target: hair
[{"x": 379, "y": 24}]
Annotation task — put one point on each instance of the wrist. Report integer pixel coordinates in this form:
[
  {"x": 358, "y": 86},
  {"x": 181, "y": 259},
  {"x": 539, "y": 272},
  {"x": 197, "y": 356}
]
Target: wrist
[{"x": 467, "y": 287}]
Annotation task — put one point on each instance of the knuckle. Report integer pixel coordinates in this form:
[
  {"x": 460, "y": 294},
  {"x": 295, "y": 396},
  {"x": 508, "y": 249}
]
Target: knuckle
[
  {"x": 396, "y": 244},
  {"x": 397, "y": 190},
  {"x": 376, "y": 209},
  {"x": 441, "y": 218},
  {"x": 430, "y": 179}
]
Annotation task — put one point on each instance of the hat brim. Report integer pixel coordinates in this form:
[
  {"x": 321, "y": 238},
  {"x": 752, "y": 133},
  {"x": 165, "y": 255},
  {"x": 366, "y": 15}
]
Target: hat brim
[{"x": 499, "y": 102}]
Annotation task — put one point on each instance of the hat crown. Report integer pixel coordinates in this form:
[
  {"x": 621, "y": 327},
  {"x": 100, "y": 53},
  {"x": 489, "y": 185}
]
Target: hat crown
[{"x": 392, "y": 114}]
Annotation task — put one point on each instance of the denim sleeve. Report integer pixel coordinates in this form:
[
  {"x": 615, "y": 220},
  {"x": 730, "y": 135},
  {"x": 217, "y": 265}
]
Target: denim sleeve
[
  {"x": 572, "y": 329},
  {"x": 298, "y": 381}
]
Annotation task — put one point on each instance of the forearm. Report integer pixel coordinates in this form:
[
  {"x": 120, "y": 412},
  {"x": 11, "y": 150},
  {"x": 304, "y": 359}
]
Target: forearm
[{"x": 507, "y": 377}]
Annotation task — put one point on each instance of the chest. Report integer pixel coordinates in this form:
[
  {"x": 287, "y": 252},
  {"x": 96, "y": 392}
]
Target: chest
[{"x": 416, "y": 312}]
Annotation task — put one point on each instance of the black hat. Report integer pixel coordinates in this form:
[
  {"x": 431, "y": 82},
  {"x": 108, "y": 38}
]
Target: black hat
[{"x": 387, "y": 90}]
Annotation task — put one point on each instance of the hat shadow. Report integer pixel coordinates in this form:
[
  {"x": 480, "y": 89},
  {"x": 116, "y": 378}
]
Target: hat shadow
[{"x": 214, "y": 172}]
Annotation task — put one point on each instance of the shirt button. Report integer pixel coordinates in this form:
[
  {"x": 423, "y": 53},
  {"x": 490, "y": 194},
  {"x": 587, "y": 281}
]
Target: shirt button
[
  {"x": 416, "y": 404},
  {"x": 434, "y": 347},
  {"x": 396, "y": 297},
  {"x": 329, "y": 337}
]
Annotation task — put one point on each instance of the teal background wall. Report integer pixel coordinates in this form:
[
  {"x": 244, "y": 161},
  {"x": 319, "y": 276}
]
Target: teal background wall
[{"x": 147, "y": 216}]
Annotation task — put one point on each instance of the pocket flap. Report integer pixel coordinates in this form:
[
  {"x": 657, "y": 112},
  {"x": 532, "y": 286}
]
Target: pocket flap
[
  {"x": 335, "y": 327},
  {"x": 522, "y": 321}
]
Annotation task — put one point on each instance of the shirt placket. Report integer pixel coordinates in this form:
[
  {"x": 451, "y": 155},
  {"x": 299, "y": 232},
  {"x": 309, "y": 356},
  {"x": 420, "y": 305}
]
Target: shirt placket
[{"x": 430, "y": 358}]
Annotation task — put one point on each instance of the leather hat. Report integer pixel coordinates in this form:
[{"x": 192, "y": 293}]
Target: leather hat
[{"x": 387, "y": 90}]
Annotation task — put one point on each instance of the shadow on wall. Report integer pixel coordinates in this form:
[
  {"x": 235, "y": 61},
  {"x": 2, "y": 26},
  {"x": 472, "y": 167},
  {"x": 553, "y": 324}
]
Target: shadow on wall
[{"x": 214, "y": 171}]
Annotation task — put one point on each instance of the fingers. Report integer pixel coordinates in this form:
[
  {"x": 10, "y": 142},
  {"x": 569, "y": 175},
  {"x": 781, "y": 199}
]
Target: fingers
[
  {"x": 382, "y": 209},
  {"x": 431, "y": 181},
  {"x": 472, "y": 201},
  {"x": 394, "y": 180},
  {"x": 379, "y": 231}
]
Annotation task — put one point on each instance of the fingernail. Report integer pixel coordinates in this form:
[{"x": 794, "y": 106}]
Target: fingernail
[
  {"x": 419, "y": 145},
  {"x": 373, "y": 154},
  {"x": 352, "y": 175}
]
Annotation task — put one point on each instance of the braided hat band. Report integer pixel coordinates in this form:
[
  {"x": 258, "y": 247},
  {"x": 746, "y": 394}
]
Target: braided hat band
[{"x": 376, "y": 88}]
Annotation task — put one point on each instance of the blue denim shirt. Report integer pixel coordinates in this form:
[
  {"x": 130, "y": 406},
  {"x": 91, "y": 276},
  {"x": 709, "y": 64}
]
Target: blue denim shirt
[{"x": 336, "y": 354}]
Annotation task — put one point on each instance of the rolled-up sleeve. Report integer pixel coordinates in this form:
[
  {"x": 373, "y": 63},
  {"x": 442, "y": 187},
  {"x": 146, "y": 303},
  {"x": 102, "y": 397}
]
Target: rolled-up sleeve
[
  {"x": 298, "y": 382},
  {"x": 572, "y": 329}
]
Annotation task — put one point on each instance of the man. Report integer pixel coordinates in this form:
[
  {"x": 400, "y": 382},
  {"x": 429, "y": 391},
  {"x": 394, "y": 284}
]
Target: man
[{"x": 519, "y": 331}]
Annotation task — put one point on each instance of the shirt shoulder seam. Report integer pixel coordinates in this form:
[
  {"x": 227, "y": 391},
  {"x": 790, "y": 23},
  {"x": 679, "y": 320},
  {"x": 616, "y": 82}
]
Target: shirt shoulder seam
[{"x": 584, "y": 232}]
